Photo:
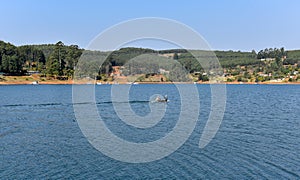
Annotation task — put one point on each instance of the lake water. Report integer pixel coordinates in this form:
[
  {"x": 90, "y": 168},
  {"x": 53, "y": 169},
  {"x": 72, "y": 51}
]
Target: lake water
[{"x": 259, "y": 136}]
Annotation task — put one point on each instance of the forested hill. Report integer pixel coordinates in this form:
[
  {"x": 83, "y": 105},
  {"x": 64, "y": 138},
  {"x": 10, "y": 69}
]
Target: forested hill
[
  {"x": 52, "y": 59},
  {"x": 60, "y": 59}
]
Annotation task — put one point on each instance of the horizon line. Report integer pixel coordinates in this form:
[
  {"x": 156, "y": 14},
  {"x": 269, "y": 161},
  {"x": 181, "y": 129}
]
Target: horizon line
[{"x": 156, "y": 49}]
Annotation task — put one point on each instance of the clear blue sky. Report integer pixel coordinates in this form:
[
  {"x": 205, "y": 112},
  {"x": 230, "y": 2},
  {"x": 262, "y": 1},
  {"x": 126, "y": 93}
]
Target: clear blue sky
[{"x": 230, "y": 24}]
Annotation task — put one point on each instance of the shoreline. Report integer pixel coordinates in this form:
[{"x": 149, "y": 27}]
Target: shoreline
[
  {"x": 71, "y": 82},
  {"x": 37, "y": 79}
]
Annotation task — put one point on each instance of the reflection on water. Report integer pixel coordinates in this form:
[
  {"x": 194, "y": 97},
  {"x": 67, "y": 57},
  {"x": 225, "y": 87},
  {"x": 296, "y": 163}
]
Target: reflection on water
[{"x": 258, "y": 138}]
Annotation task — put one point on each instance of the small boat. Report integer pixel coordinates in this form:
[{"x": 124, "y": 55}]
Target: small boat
[
  {"x": 35, "y": 83},
  {"x": 98, "y": 83},
  {"x": 162, "y": 100},
  {"x": 158, "y": 99}
]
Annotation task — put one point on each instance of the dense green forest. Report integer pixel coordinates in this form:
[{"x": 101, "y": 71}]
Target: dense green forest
[
  {"x": 11, "y": 60},
  {"x": 52, "y": 59},
  {"x": 59, "y": 60}
]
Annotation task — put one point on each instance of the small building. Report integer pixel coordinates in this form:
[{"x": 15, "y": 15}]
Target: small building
[
  {"x": 267, "y": 59},
  {"x": 163, "y": 71},
  {"x": 32, "y": 72},
  {"x": 117, "y": 71},
  {"x": 263, "y": 75}
]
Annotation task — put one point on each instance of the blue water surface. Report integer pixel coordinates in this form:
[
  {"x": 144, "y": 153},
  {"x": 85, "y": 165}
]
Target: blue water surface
[{"x": 259, "y": 136}]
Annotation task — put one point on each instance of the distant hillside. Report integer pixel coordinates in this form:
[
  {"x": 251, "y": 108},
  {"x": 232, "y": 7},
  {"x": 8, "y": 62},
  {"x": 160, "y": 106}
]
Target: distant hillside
[
  {"x": 293, "y": 57},
  {"x": 60, "y": 60}
]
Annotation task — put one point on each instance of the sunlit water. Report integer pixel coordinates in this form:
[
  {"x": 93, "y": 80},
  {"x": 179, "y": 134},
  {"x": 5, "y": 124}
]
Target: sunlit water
[{"x": 259, "y": 136}]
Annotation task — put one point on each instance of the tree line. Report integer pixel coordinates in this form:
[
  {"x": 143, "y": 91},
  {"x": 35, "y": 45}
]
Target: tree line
[
  {"x": 60, "y": 60},
  {"x": 52, "y": 59},
  {"x": 272, "y": 53}
]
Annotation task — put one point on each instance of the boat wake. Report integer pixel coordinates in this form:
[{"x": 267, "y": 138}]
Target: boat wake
[{"x": 70, "y": 104}]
